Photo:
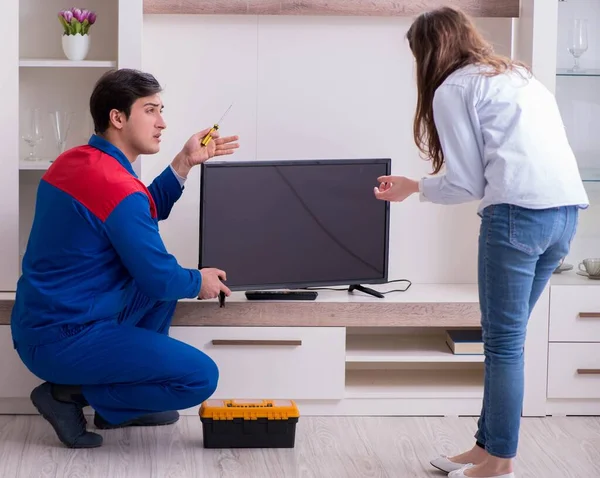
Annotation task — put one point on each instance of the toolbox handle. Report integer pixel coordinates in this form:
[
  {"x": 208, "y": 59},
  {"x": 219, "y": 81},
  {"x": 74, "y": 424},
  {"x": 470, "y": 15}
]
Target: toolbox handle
[{"x": 293, "y": 343}]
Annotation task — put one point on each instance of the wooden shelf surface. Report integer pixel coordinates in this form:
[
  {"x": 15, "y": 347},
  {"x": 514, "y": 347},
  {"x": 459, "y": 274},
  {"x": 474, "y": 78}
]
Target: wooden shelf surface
[{"x": 423, "y": 305}]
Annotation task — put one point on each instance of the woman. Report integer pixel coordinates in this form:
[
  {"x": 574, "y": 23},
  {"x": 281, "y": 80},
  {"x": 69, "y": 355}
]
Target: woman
[{"x": 499, "y": 135}]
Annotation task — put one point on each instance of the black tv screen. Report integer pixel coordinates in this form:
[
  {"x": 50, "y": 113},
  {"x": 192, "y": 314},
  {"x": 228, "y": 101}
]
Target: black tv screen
[{"x": 294, "y": 223}]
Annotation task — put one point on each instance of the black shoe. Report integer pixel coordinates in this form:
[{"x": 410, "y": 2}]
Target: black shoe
[
  {"x": 69, "y": 393},
  {"x": 66, "y": 417},
  {"x": 151, "y": 420}
]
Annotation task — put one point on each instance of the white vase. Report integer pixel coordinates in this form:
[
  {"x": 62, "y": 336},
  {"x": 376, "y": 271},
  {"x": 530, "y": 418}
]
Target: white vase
[{"x": 76, "y": 47}]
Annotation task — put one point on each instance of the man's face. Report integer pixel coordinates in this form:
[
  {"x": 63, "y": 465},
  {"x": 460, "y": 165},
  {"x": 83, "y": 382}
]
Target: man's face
[{"x": 145, "y": 124}]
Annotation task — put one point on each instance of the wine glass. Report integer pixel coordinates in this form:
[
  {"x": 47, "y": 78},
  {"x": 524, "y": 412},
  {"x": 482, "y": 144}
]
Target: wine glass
[
  {"x": 33, "y": 134},
  {"x": 61, "y": 123},
  {"x": 578, "y": 44},
  {"x": 89, "y": 126}
]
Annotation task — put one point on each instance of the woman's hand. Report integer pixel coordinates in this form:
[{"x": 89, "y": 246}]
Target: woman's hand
[{"x": 395, "y": 188}]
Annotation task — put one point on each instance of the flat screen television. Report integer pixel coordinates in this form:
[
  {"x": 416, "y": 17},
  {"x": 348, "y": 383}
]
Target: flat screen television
[{"x": 294, "y": 224}]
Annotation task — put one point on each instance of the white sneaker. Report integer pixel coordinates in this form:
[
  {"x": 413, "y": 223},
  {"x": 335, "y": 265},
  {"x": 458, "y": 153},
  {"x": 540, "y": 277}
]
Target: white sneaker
[
  {"x": 460, "y": 473},
  {"x": 443, "y": 463}
]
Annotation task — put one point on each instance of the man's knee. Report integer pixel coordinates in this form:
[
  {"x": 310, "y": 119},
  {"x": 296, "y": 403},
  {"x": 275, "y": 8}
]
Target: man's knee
[
  {"x": 200, "y": 383},
  {"x": 210, "y": 373}
]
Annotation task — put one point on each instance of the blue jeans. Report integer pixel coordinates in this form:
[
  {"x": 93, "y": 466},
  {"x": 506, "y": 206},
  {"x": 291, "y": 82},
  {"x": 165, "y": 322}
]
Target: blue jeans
[
  {"x": 127, "y": 366},
  {"x": 518, "y": 251}
]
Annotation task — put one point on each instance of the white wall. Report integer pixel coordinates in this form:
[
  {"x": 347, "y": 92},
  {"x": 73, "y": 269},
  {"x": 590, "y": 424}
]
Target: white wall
[
  {"x": 9, "y": 180},
  {"x": 307, "y": 87}
]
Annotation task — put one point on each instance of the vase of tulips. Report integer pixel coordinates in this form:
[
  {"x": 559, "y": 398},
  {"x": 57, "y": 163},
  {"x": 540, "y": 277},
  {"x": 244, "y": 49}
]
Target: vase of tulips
[{"x": 76, "y": 24}]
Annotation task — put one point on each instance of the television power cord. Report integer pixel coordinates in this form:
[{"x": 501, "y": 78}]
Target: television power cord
[{"x": 381, "y": 292}]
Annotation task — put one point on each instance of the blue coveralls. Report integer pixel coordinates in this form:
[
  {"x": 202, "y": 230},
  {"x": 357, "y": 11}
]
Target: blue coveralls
[{"x": 98, "y": 290}]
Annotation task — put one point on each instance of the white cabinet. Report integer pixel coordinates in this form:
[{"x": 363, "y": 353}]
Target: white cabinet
[
  {"x": 273, "y": 362},
  {"x": 16, "y": 381},
  {"x": 573, "y": 368},
  {"x": 574, "y": 371},
  {"x": 574, "y": 347},
  {"x": 9, "y": 139},
  {"x": 254, "y": 362},
  {"x": 39, "y": 76},
  {"x": 575, "y": 313}
]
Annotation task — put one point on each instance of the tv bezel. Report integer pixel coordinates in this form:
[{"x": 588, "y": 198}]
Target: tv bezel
[{"x": 295, "y": 162}]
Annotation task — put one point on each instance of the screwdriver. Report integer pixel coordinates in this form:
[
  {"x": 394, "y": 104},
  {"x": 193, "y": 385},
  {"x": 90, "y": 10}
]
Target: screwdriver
[{"x": 208, "y": 136}]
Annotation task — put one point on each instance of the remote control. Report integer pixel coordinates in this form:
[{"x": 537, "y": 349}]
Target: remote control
[{"x": 281, "y": 295}]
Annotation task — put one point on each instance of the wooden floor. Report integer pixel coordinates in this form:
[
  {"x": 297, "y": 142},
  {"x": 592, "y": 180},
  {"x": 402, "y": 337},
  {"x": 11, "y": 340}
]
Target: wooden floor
[{"x": 325, "y": 448}]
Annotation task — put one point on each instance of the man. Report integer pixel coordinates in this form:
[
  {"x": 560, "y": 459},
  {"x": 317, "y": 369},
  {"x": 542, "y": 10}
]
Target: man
[{"x": 98, "y": 290}]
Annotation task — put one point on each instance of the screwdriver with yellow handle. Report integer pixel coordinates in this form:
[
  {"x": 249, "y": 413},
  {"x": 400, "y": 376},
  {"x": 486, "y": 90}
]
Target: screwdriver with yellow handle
[{"x": 208, "y": 136}]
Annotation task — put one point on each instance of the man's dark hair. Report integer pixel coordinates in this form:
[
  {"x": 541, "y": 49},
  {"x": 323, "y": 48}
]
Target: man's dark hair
[{"x": 119, "y": 89}]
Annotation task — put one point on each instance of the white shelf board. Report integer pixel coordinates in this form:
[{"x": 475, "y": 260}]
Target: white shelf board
[
  {"x": 572, "y": 278},
  {"x": 402, "y": 349},
  {"x": 34, "y": 165},
  {"x": 591, "y": 175},
  {"x": 437, "y": 384},
  {"x": 584, "y": 72},
  {"x": 58, "y": 63}
]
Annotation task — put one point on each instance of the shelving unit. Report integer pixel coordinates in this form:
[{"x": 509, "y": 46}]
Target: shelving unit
[
  {"x": 572, "y": 341},
  {"x": 403, "y": 365},
  {"x": 50, "y": 63},
  {"x": 434, "y": 383},
  {"x": 401, "y": 348},
  {"x": 50, "y": 82},
  {"x": 578, "y": 97}
]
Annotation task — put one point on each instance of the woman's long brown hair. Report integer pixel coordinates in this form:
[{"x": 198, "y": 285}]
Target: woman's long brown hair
[{"x": 443, "y": 41}]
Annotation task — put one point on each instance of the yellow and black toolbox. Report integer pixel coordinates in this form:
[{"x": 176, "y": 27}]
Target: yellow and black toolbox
[{"x": 249, "y": 423}]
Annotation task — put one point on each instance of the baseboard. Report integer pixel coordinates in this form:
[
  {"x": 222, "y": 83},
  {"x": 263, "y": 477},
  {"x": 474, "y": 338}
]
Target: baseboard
[
  {"x": 368, "y": 407},
  {"x": 573, "y": 407},
  {"x": 346, "y": 407}
]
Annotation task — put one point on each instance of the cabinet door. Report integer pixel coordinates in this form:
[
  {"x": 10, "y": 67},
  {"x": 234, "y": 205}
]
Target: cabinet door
[
  {"x": 299, "y": 363},
  {"x": 16, "y": 381},
  {"x": 9, "y": 154}
]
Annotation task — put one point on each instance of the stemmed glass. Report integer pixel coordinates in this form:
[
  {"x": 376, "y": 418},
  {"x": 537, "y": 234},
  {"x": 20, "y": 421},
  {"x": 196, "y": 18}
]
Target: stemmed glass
[
  {"x": 578, "y": 44},
  {"x": 61, "y": 122},
  {"x": 89, "y": 126},
  {"x": 33, "y": 134}
]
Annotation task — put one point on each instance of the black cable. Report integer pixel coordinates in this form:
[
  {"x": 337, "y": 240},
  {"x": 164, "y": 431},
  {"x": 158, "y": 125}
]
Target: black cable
[{"x": 386, "y": 292}]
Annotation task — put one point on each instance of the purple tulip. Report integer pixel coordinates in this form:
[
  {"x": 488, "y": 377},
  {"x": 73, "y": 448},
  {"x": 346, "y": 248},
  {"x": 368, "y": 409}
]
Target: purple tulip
[
  {"x": 77, "y": 14},
  {"x": 77, "y": 21},
  {"x": 67, "y": 15}
]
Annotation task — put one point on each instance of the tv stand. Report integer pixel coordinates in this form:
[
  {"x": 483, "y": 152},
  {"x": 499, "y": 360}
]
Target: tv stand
[{"x": 366, "y": 290}]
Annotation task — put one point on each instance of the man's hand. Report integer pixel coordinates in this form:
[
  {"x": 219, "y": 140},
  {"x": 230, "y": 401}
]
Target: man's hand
[
  {"x": 211, "y": 284},
  {"x": 193, "y": 153},
  {"x": 395, "y": 188}
]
